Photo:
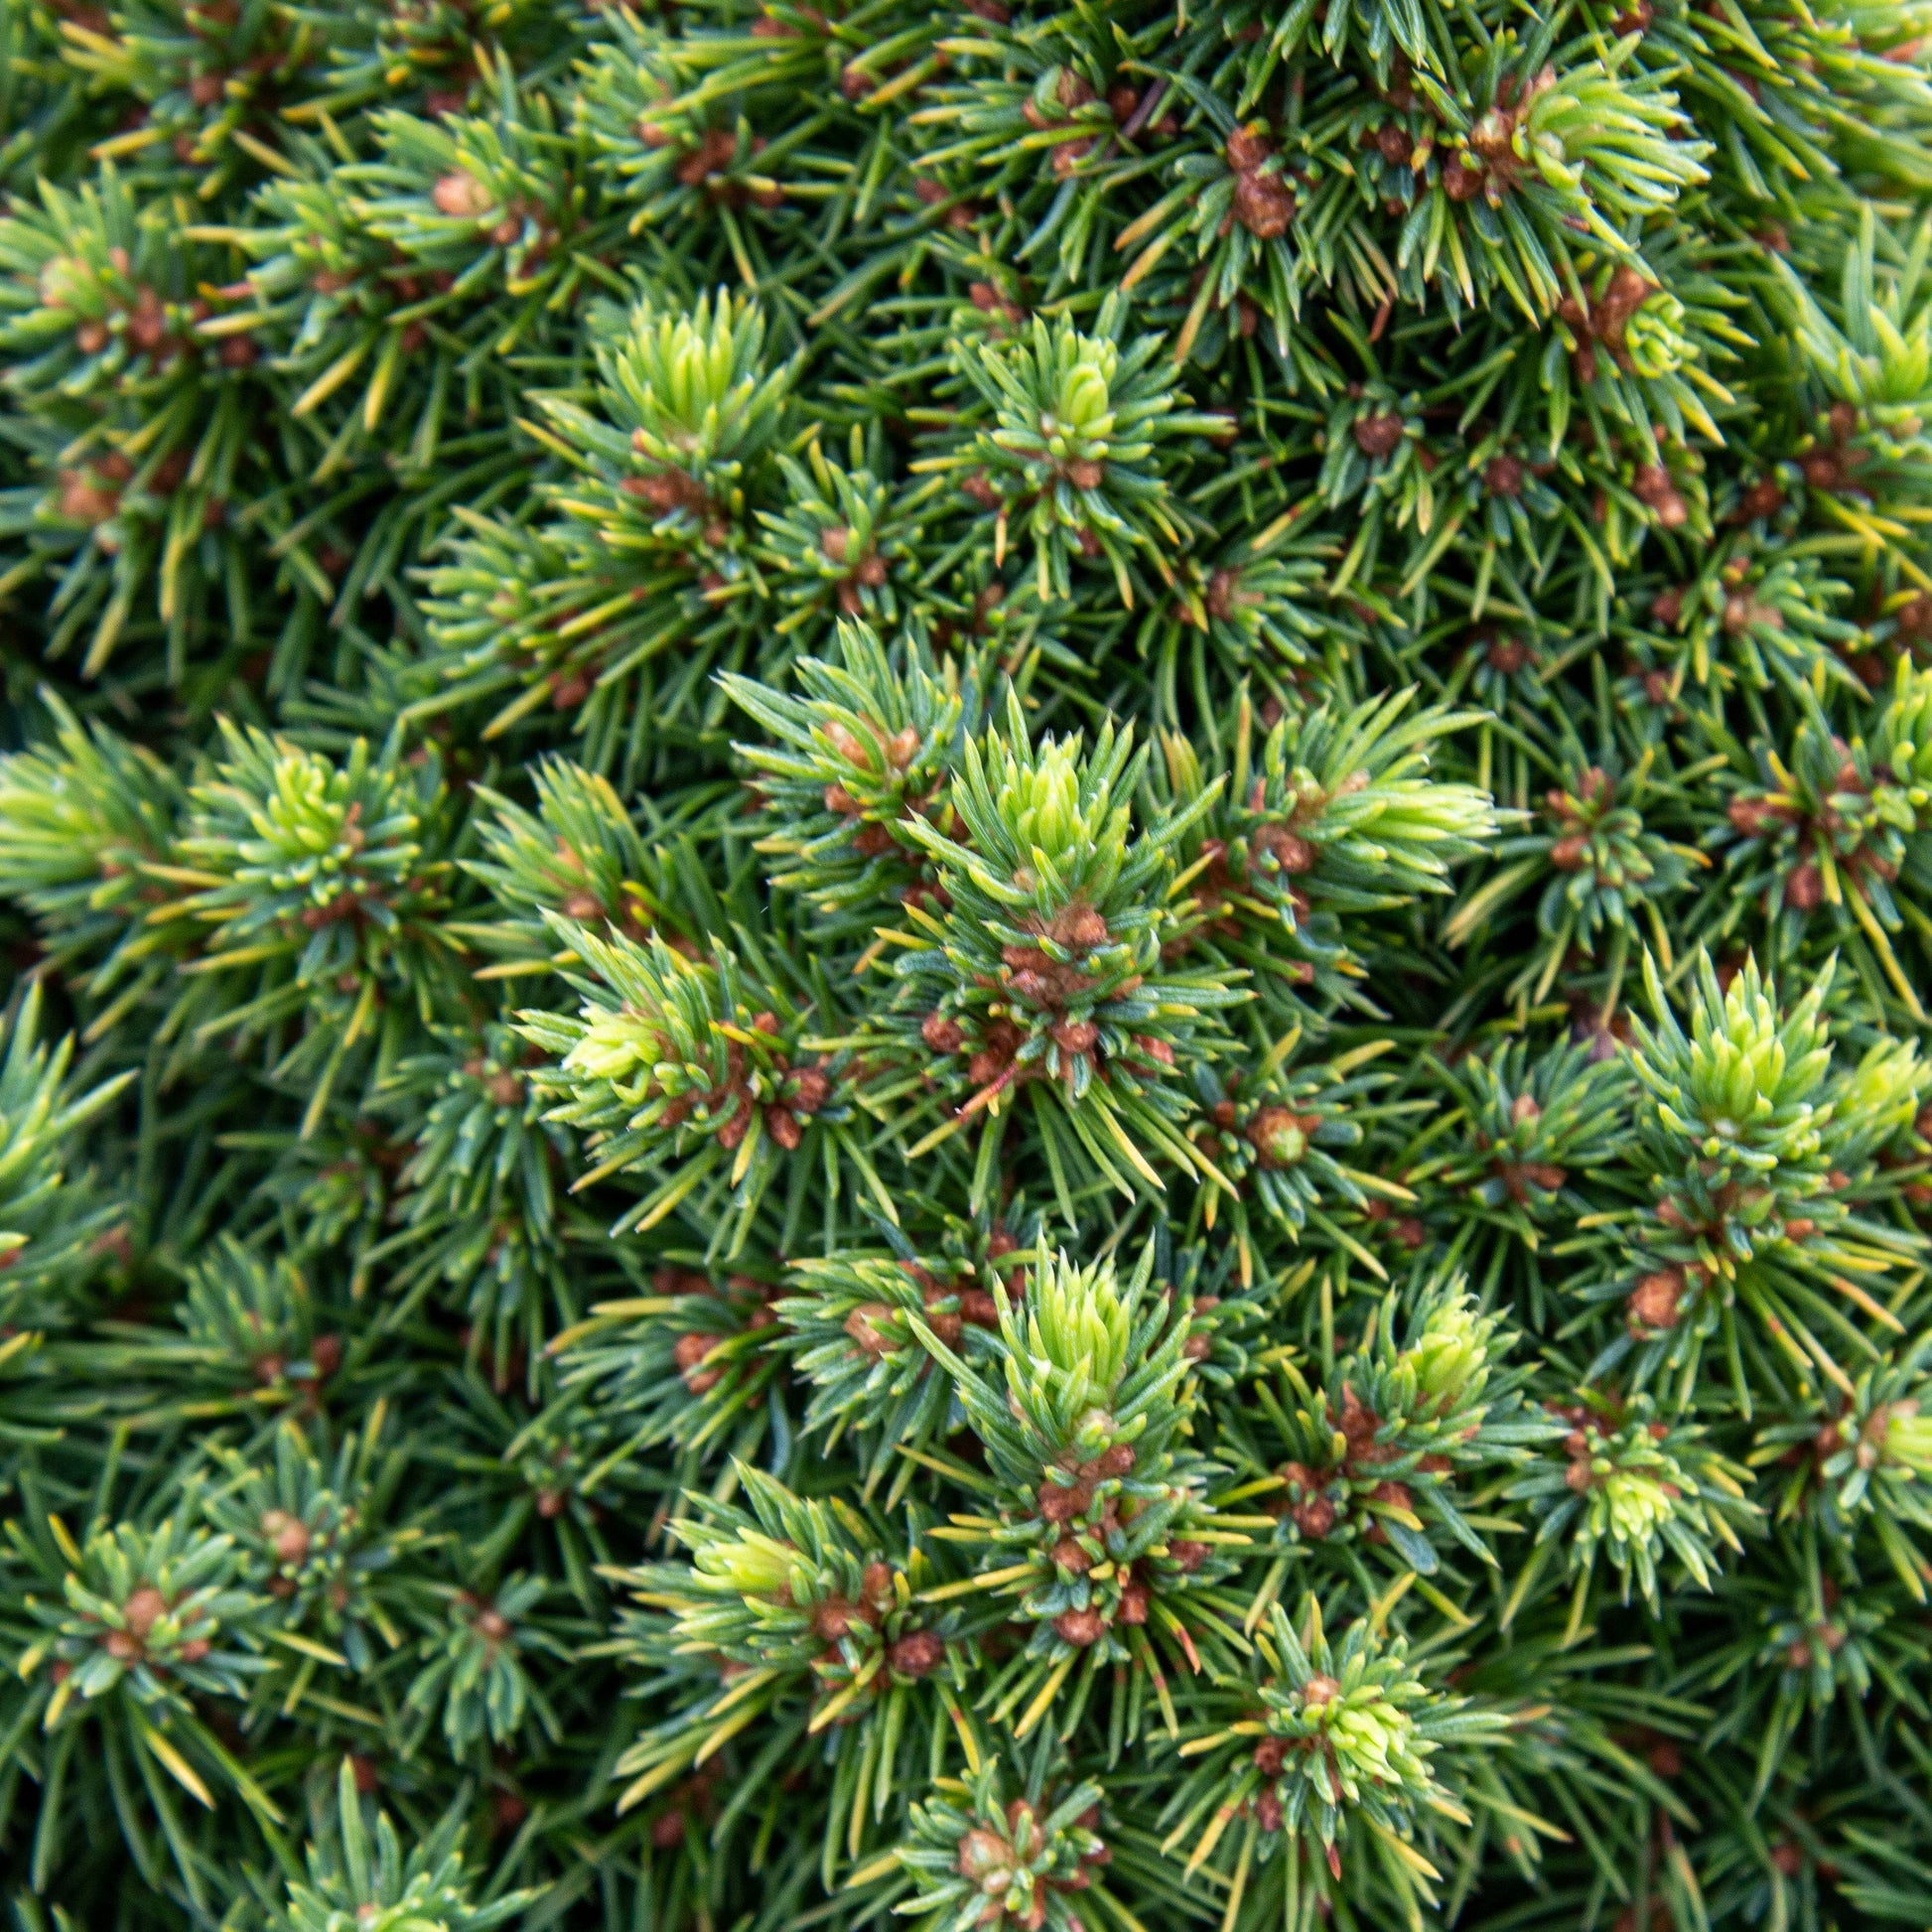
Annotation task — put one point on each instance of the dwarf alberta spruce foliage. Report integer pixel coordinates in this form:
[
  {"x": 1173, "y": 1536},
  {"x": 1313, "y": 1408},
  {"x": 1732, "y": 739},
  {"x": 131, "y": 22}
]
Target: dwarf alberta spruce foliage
[{"x": 965, "y": 965}]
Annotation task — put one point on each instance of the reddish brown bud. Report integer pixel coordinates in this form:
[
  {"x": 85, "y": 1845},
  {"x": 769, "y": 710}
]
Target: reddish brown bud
[
  {"x": 1804, "y": 886},
  {"x": 285, "y": 1535},
  {"x": 862, "y": 1325},
  {"x": 1280, "y": 1136},
  {"x": 1654, "y": 1303},
  {"x": 917, "y": 1655},
  {"x": 1288, "y": 850},
  {"x": 833, "y": 1618},
  {"x": 1379, "y": 435},
  {"x": 1062, "y": 1504},
  {"x": 944, "y": 1035},
  {"x": 1504, "y": 476},
  {"x": 1076, "y": 1036},
  {"x": 1083, "y": 1628},
  {"x": 1264, "y": 204},
  {"x": 144, "y": 1609},
  {"x": 1394, "y": 143},
  {"x": 461, "y": 195}
]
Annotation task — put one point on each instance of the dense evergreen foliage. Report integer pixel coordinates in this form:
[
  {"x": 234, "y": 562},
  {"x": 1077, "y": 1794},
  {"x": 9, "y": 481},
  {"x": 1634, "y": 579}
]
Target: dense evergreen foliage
[{"x": 966, "y": 963}]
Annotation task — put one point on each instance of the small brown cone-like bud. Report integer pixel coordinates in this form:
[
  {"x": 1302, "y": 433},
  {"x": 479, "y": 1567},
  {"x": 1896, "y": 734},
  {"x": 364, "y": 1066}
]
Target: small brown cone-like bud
[
  {"x": 982, "y": 1856},
  {"x": 1279, "y": 1137},
  {"x": 1082, "y": 1627},
  {"x": 1264, "y": 204},
  {"x": 862, "y": 1325},
  {"x": 1080, "y": 929},
  {"x": 917, "y": 1655},
  {"x": 144, "y": 1609},
  {"x": 1655, "y": 1300},
  {"x": 1379, "y": 435},
  {"x": 461, "y": 195},
  {"x": 287, "y": 1535},
  {"x": 944, "y": 1035}
]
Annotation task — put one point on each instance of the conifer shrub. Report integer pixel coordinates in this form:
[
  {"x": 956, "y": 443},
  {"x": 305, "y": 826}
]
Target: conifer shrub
[{"x": 965, "y": 964}]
